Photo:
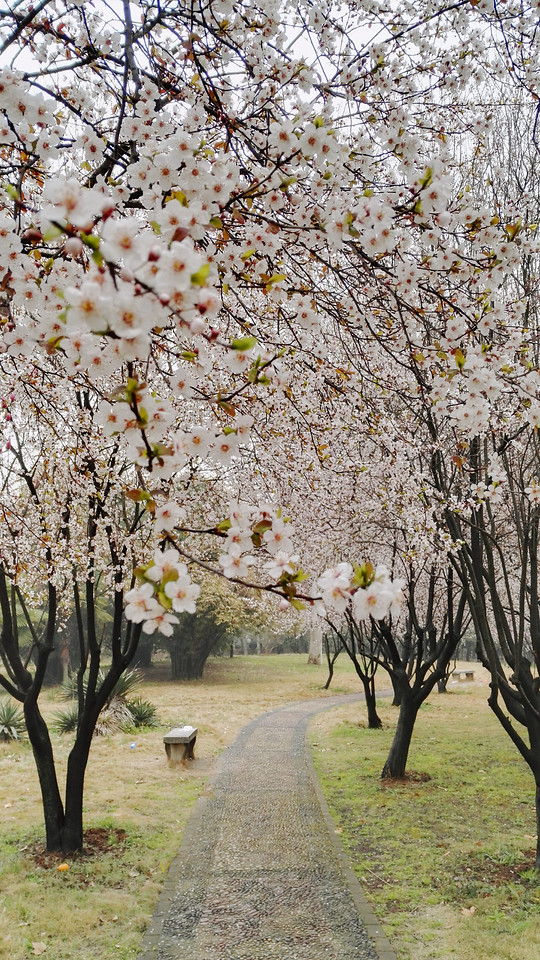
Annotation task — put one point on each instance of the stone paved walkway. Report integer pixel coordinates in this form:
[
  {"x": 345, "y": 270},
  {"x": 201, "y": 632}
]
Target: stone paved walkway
[{"x": 261, "y": 874}]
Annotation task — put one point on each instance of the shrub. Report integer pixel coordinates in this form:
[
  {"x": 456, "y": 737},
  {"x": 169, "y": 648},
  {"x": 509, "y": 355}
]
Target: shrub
[
  {"x": 124, "y": 685},
  {"x": 115, "y": 716},
  {"x": 119, "y": 713},
  {"x": 143, "y": 713},
  {"x": 12, "y": 725},
  {"x": 66, "y": 720}
]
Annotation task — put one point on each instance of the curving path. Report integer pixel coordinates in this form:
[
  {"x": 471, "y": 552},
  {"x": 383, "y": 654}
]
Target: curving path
[{"x": 261, "y": 874}]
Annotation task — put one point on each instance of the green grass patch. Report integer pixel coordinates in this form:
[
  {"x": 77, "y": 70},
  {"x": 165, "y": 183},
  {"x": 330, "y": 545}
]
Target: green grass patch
[{"x": 444, "y": 856}]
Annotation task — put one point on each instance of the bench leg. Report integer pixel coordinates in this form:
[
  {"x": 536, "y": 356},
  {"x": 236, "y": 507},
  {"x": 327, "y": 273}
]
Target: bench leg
[
  {"x": 175, "y": 753},
  {"x": 178, "y": 753}
]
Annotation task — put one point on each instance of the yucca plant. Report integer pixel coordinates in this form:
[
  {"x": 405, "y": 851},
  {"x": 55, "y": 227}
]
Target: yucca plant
[
  {"x": 12, "y": 725},
  {"x": 124, "y": 685},
  {"x": 115, "y": 716},
  {"x": 143, "y": 713},
  {"x": 65, "y": 721},
  {"x": 119, "y": 713}
]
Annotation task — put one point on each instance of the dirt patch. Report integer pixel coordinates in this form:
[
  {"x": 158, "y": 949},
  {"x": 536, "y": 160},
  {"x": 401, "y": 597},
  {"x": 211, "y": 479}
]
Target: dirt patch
[
  {"x": 97, "y": 841},
  {"x": 412, "y": 776},
  {"x": 498, "y": 874}
]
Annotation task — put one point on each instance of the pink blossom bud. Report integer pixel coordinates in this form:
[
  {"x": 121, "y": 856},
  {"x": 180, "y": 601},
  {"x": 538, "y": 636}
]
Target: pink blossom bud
[
  {"x": 12, "y": 397},
  {"x": 8, "y": 416},
  {"x": 164, "y": 298},
  {"x": 196, "y": 325},
  {"x": 73, "y": 247},
  {"x": 125, "y": 274},
  {"x": 8, "y": 445},
  {"x": 33, "y": 235},
  {"x": 154, "y": 254}
]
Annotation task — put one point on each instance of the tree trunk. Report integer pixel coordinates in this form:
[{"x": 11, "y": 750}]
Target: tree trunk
[
  {"x": 394, "y": 768},
  {"x": 330, "y": 674},
  {"x": 397, "y": 687},
  {"x": 53, "y": 810},
  {"x": 315, "y": 646},
  {"x": 72, "y": 831},
  {"x": 374, "y": 720},
  {"x": 145, "y": 649},
  {"x": 537, "y": 860}
]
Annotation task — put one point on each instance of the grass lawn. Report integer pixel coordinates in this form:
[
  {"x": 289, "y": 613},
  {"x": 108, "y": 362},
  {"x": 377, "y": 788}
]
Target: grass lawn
[
  {"x": 100, "y": 906},
  {"x": 443, "y": 860}
]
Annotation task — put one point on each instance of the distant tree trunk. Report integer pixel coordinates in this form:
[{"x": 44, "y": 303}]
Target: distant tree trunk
[
  {"x": 186, "y": 665},
  {"x": 374, "y": 720},
  {"x": 315, "y": 646},
  {"x": 331, "y": 657},
  {"x": 54, "y": 673},
  {"x": 143, "y": 657}
]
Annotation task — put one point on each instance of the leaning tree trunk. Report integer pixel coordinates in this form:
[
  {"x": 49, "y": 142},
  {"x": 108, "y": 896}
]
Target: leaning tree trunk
[
  {"x": 374, "y": 720},
  {"x": 397, "y": 687},
  {"x": 72, "y": 830},
  {"x": 53, "y": 810},
  {"x": 394, "y": 768}
]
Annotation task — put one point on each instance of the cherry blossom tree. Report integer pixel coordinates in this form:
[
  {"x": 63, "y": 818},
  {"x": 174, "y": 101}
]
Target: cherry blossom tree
[{"x": 213, "y": 217}]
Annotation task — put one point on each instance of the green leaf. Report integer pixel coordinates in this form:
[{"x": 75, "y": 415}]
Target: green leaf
[
  {"x": 52, "y": 233},
  {"x": 164, "y": 600},
  {"x": 262, "y": 526},
  {"x": 297, "y": 604},
  {"x": 199, "y": 278},
  {"x": 244, "y": 343},
  {"x": 90, "y": 240},
  {"x": 363, "y": 575},
  {"x": 459, "y": 357}
]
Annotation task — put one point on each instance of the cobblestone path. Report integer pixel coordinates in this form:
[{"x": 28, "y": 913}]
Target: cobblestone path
[{"x": 260, "y": 874}]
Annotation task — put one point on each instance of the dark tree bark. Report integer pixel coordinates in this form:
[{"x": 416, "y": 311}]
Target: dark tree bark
[
  {"x": 396, "y": 762},
  {"x": 359, "y": 647},
  {"x": 64, "y": 819},
  {"x": 420, "y": 660},
  {"x": 374, "y": 720},
  {"x": 497, "y": 565},
  {"x": 332, "y": 648}
]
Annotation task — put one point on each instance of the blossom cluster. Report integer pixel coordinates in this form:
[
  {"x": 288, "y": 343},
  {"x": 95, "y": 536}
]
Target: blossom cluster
[
  {"x": 368, "y": 592},
  {"x": 166, "y": 585}
]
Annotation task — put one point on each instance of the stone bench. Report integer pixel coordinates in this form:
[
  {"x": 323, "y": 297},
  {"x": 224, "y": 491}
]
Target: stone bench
[
  {"x": 463, "y": 675},
  {"x": 179, "y": 744}
]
